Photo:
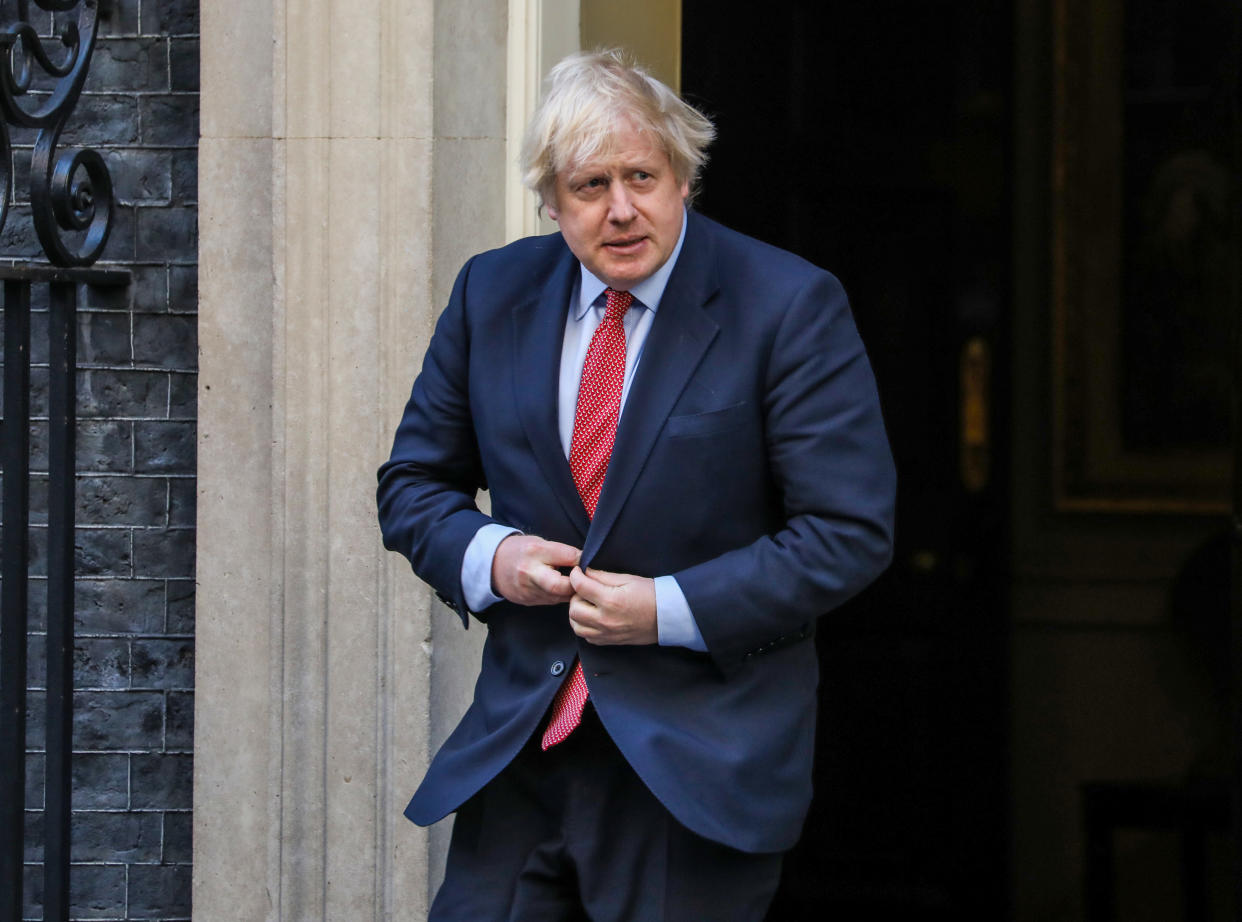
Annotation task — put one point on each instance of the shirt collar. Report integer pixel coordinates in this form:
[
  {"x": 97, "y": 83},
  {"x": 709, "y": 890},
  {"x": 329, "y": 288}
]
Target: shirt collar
[{"x": 647, "y": 293}]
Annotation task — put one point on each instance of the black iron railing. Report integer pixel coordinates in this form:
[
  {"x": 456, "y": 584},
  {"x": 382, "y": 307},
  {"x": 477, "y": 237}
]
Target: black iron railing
[{"x": 70, "y": 199}]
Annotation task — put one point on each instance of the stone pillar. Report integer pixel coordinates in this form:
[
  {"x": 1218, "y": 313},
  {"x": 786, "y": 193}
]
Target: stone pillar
[
  {"x": 352, "y": 155},
  {"x": 469, "y": 184}
]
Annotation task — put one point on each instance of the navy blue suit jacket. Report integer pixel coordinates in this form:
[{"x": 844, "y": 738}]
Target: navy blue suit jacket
[{"x": 750, "y": 462}]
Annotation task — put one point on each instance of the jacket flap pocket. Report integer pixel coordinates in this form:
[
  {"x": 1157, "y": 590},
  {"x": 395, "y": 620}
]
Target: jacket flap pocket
[{"x": 708, "y": 423}]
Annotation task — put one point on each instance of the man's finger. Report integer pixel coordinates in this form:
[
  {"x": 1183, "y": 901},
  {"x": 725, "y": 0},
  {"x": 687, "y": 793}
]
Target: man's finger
[
  {"x": 584, "y": 619},
  {"x": 606, "y": 578},
  {"x": 553, "y": 582},
  {"x": 585, "y": 586},
  {"x": 580, "y": 611},
  {"x": 585, "y": 631},
  {"x": 524, "y": 570},
  {"x": 555, "y": 554}
]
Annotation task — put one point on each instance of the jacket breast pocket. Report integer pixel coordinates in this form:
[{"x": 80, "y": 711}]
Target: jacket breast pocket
[{"x": 712, "y": 422}]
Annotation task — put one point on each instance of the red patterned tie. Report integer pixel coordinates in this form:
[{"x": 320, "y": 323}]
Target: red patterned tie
[{"x": 595, "y": 427}]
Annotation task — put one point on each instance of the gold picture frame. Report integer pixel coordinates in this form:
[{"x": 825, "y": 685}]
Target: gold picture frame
[{"x": 1097, "y": 468}]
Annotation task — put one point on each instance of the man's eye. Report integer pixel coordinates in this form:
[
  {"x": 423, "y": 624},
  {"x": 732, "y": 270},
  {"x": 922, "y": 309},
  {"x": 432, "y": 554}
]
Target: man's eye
[
  {"x": 595, "y": 183},
  {"x": 642, "y": 176}
]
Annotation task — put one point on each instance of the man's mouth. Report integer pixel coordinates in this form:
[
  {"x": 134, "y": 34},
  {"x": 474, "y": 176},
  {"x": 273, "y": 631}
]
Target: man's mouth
[{"x": 626, "y": 244}]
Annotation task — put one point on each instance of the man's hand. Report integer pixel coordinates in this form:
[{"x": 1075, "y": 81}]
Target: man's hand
[
  {"x": 524, "y": 570},
  {"x": 613, "y": 608}
]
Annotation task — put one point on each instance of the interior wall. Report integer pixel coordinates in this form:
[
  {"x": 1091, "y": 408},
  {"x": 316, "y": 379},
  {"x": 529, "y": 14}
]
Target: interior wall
[{"x": 1102, "y": 689}]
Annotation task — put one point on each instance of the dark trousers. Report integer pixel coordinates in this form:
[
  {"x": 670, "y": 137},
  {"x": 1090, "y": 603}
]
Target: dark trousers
[{"x": 573, "y": 835}]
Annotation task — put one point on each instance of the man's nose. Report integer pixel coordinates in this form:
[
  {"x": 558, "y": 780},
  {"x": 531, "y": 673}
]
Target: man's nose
[{"x": 620, "y": 204}]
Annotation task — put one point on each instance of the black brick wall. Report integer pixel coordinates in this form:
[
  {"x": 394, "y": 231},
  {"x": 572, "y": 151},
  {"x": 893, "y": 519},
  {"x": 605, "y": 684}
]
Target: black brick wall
[{"x": 137, "y": 353}]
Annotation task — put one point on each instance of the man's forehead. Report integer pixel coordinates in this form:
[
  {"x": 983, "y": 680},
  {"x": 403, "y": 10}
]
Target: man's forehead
[{"x": 636, "y": 150}]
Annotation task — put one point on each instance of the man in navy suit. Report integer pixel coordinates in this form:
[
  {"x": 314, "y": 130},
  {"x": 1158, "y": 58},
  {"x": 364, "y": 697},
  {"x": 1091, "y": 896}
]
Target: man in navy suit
[{"x": 680, "y": 433}]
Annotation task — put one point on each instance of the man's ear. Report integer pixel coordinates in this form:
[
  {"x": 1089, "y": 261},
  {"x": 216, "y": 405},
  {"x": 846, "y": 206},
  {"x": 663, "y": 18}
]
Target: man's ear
[{"x": 551, "y": 210}]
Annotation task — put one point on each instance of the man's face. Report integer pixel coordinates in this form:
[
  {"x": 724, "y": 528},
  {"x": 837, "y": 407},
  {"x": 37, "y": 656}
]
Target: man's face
[{"x": 621, "y": 214}]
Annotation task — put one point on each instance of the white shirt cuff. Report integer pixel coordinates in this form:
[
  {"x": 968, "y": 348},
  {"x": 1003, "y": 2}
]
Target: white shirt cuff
[
  {"x": 476, "y": 565},
  {"x": 674, "y": 621}
]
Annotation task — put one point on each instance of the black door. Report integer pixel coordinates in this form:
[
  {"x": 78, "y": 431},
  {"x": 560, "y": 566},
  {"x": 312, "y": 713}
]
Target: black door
[{"x": 872, "y": 138}]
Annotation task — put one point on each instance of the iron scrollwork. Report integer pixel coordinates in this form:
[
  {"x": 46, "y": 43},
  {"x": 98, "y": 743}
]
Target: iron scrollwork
[{"x": 70, "y": 191}]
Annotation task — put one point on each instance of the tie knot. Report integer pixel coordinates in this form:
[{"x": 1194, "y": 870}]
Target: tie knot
[{"x": 618, "y": 303}]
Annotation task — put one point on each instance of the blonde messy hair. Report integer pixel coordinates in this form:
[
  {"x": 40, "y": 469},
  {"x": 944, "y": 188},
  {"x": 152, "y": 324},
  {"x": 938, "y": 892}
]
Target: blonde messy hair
[{"x": 586, "y": 95}]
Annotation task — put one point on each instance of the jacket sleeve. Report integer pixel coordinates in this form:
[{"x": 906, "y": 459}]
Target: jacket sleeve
[
  {"x": 427, "y": 488},
  {"x": 835, "y": 483}
]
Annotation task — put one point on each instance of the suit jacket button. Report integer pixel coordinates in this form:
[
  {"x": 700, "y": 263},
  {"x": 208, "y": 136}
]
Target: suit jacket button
[{"x": 558, "y": 667}]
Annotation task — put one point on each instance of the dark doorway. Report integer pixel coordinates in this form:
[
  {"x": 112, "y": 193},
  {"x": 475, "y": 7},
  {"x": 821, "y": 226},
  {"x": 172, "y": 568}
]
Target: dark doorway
[{"x": 873, "y": 138}]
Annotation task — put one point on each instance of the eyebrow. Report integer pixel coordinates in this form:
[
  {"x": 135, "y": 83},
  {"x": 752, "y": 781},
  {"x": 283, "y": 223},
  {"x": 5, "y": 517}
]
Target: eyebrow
[{"x": 587, "y": 172}]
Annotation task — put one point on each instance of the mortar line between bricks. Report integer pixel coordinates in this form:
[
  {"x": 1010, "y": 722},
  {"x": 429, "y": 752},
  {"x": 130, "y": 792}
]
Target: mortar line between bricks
[
  {"x": 121, "y": 475},
  {"x": 94, "y": 689},
  {"x": 117, "y": 148},
  {"x": 93, "y": 526},
  {"x": 121, "y": 635},
  {"x": 102, "y": 366},
  {"x": 116, "y": 264},
  {"x": 144, "y": 369},
  {"x": 124, "y": 419},
  {"x": 127, "y": 635},
  {"x": 115, "y": 635},
  {"x": 97, "y": 578},
  {"x": 126, "y": 475},
  {"x": 118, "y": 811},
  {"x": 128, "y": 752},
  {"x": 146, "y": 863},
  {"x": 125, "y": 689},
  {"x": 132, "y": 352},
  {"x": 135, "y": 93}
]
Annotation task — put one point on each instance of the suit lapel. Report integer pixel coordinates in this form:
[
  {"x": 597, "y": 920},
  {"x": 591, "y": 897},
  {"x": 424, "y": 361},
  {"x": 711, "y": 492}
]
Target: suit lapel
[
  {"x": 679, "y": 337},
  {"x": 538, "y": 334}
]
